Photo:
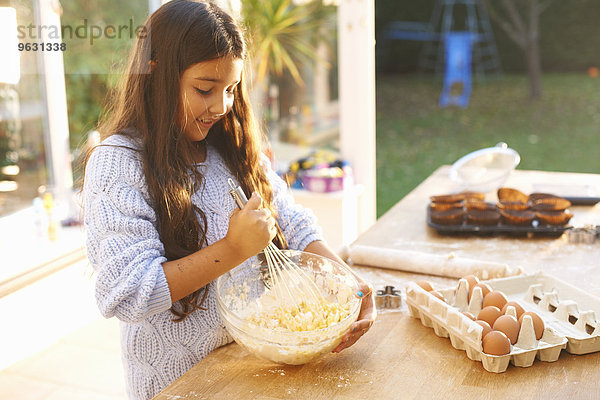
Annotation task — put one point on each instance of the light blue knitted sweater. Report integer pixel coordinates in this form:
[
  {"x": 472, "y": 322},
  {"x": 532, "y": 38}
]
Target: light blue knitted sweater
[{"x": 124, "y": 249}]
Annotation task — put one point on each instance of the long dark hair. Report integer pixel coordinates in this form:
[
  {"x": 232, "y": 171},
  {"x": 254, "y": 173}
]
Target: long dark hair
[{"x": 179, "y": 34}]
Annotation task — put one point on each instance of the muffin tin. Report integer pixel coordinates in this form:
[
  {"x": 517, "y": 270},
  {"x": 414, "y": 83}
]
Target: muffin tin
[
  {"x": 515, "y": 213},
  {"x": 569, "y": 314},
  {"x": 463, "y": 227}
]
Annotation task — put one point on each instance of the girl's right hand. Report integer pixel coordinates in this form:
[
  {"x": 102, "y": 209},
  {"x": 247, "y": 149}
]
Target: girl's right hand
[{"x": 251, "y": 228}]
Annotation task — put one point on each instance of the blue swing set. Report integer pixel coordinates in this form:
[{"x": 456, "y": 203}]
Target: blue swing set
[{"x": 456, "y": 53}]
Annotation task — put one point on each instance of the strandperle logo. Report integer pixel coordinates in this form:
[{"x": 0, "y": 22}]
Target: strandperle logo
[{"x": 85, "y": 30}]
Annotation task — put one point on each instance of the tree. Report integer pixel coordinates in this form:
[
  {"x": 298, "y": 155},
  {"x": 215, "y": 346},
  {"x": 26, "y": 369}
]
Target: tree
[
  {"x": 284, "y": 38},
  {"x": 284, "y": 35},
  {"x": 521, "y": 23}
]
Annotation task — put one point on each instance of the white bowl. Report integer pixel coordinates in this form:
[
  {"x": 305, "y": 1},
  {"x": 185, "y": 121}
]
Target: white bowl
[
  {"x": 238, "y": 290},
  {"x": 486, "y": 169}
]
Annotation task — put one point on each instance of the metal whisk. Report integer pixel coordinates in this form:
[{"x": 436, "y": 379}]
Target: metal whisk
[{"x": 285, "y": 277}]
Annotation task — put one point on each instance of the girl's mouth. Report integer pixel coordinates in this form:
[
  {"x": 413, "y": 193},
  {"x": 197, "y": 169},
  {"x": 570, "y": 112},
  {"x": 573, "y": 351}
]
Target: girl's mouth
[{"x": 207, "y": 123}]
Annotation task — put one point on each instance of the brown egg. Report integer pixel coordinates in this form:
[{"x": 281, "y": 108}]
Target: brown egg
[
  {"x": 489, "y": 314},
  {"x": 469, "y": 315},
  {"x": 495, "y": 298},
  {"x": 426, "y": 285},
  {"x": 437, "y": 294},
  {"x": 508, "y": 325},
  {"x": 473, "y": 280},
  {"x": 496, "y": 343},
  {"x": 486, "y": 328},
  {"x": 485, "y": 289},
  {"x": 538, "y": 323},
  {"x": 520, "y": 310}
]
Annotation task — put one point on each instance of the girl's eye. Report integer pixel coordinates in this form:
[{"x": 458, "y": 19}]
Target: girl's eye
[{"x": 202, "y": 91}]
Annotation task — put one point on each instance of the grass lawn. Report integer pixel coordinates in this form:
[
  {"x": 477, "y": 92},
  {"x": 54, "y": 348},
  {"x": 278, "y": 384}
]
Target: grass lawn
[{"x": 560, "y": 132}]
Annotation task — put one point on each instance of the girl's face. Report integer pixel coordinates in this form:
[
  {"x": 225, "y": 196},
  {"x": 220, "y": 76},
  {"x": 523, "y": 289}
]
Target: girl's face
[{"x": 207, "y": 94}]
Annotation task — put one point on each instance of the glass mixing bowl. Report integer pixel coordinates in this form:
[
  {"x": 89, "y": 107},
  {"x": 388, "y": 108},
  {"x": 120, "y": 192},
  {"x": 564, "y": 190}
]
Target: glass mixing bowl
[
  {"x": 239, "y": 289},
  {"x": 486, "y": 169}
]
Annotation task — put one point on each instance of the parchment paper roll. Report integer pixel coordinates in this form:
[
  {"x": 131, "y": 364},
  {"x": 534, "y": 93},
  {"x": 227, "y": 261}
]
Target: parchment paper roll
[{"x": 426, "y": 263}]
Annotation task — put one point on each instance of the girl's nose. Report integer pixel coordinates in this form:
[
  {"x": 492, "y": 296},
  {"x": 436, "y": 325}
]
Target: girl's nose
[{"x": 221, "y": 105}]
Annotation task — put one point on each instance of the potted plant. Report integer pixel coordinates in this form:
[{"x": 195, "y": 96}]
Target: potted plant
[{"x": 284, "y": 38}]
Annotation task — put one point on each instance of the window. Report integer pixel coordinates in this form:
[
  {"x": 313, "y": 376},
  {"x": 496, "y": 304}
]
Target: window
[
  {"x": 22, "y": 116},
  {"x": 37, "y": 136}
]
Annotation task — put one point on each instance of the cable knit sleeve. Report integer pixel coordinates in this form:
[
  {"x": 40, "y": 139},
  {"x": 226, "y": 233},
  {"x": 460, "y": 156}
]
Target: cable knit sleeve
[
  {"x": 122, "y": 241},
  {"x": 298, "y": 223}
]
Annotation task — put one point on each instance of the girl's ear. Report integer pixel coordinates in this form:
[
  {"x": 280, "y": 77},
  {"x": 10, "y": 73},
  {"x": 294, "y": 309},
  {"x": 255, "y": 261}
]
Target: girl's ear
[{"x": 151, "y": 65}]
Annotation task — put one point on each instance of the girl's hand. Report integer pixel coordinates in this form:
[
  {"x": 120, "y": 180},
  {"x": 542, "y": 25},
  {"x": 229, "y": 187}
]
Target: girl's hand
[
  {"x": 366, "y": 317},
  {"x": 250, "y": 229}
]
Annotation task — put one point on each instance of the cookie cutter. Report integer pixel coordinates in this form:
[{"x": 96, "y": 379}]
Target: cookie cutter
[
  {"x": 587, "y": 234},
  {"x": 388, "y": 298}
]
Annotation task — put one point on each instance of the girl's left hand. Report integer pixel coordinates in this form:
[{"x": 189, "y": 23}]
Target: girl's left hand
[{"x": 366, "y": 317}]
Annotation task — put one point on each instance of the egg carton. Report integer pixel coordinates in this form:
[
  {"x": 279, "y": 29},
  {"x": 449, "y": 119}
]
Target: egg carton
[
  {"x": 565, "y": 308},
  {"x": 570, "y": 321}
]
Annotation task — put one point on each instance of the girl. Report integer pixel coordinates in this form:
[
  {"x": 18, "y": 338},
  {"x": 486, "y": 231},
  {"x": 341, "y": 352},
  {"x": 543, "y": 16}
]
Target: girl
[{"x": 158, "y": 213}]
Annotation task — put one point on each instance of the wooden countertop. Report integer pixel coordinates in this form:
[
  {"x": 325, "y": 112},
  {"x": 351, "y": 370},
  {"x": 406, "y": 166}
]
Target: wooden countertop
[{"x": 399, "y": 358}]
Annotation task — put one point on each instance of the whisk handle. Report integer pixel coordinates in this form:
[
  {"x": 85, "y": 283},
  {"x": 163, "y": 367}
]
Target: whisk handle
[{"x": 238, "y": 195}]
